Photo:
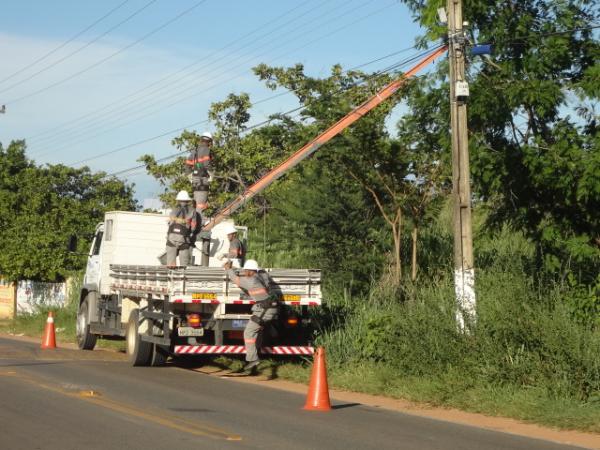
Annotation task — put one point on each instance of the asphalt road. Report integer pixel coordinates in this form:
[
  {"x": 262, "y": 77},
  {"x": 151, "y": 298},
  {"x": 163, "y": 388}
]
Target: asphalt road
[{"x": 66, "y": 399}]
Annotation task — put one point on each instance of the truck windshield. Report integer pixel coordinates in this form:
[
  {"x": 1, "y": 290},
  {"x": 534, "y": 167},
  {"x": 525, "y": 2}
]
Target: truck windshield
[{"x": 97, "y": 243}]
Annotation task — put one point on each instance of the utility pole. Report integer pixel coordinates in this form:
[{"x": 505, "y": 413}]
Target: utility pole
[{"x": 464, "y": 272}]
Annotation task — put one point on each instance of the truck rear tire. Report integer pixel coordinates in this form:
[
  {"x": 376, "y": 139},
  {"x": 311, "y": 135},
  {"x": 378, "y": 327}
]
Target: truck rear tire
[
  {"x": 85, "y": 339},
  {"x": 159, "y": 355},
  {"x": 138, "y": 351}
]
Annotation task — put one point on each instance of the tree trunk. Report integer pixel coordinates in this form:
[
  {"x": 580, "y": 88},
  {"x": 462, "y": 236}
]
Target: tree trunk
[
  {"x": 397, "y": 235},
  {"x": 414, "y": 235}
]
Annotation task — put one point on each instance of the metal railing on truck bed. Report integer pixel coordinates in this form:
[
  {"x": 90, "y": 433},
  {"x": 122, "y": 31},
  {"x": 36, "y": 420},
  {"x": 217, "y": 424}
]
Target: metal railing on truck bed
[{"x": 196, "y": 284}]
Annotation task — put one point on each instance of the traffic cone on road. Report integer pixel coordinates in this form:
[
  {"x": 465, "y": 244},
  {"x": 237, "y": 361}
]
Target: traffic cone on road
[
  {"x": 318, "y": 390},
  {"x": 49, "y": 338}
]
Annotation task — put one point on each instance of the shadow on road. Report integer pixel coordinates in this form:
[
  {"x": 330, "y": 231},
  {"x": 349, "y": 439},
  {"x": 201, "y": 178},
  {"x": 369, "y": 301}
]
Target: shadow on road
[
  {"x": 41, "y": 363},
  {"x": 345, "y": 405}
]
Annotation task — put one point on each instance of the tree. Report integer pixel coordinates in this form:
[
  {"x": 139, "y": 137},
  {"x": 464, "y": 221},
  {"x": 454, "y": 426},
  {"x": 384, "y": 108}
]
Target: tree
[
  {"x": 534, "y": 133},
  {"x": 41, "y": 206},
  {"x": 239, "y": 157}
]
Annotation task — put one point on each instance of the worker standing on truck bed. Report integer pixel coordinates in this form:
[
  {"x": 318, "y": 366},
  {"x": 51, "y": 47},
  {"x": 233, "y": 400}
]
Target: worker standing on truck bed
[
  {"x": 264, "y": 310},
  {"x": 237, "y": 251},
  {"x": 181, "y": 225},
  {"x": 198, "y": 167}
]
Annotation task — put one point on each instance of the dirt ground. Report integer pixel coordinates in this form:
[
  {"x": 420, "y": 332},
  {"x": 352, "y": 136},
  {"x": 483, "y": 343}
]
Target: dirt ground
[{"x": 512, "y": 426}]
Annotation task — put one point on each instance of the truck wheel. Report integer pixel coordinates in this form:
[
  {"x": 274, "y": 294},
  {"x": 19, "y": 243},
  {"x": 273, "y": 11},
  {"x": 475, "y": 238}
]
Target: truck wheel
[
  {"x": 139, "y": 352},
  {"x": 159, "y": 355},
  {"x": 85, "y": 339}
]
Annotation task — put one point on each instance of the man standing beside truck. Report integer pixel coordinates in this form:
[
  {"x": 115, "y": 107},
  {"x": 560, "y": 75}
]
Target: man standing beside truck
[
  {"x": 182, "y": 223},
  {"x": 264, "y": 310},
  {"x": 198, "y": 167},
  {"x": 237, "y": 250}
]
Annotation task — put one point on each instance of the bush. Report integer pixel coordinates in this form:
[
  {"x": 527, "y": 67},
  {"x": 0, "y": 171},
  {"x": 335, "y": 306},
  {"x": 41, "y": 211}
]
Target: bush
[{"x": 522, "y": 338}]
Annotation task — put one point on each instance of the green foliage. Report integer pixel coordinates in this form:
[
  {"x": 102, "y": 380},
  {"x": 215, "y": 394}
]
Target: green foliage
[
  {"x": 534, "y": 140},
  {"x": 584, "y": 301},
  {"x": 41, "y": 206}
]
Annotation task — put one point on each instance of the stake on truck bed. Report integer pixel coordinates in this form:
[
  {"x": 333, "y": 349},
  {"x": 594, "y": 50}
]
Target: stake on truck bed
[{"x": 321, "y": 139}]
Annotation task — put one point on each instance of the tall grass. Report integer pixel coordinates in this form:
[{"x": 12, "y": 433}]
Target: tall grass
[{"x": 529, "y": 355}]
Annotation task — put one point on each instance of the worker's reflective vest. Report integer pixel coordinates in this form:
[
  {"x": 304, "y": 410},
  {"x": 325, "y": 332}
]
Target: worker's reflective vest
[{"x": 198, "y": 163}]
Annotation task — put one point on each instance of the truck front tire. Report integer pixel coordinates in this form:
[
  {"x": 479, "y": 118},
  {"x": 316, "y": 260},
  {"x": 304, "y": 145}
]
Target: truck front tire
[
  {"x": 138, "y": 351},
  {"x": 85, "y": 339}
]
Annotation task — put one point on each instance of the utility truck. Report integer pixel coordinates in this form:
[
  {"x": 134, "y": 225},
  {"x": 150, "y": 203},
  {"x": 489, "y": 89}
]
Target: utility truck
[{"x": 162, "y": 311}]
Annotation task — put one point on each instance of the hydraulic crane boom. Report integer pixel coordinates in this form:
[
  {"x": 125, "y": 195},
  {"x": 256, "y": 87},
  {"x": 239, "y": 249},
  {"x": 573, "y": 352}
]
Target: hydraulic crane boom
[{"x": 321, "y": 139}]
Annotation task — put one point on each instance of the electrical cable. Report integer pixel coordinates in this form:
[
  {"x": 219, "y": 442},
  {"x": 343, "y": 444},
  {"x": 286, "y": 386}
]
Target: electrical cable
[
  {"x": 86, "y": 45},
  {"x": 183, "y": 92},
  {"x": 187, "y": 96},
  {"x": 154, "y": 83},
  {"x": 112, "y": 55},
  {"x": 376, "y": 74},
  {"x": 68, "y": 41}
]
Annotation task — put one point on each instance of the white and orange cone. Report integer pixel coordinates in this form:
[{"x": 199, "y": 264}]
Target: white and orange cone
[{"x": 49, "y": 338}]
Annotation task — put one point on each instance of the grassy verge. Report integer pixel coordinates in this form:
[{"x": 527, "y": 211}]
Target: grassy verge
[{"x": 33, "y": 324}]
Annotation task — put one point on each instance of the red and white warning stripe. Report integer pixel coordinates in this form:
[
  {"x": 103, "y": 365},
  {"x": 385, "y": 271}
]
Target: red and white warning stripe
[
  {"x": 240, "y": 350},
  {"x": 189, "y": 299}
]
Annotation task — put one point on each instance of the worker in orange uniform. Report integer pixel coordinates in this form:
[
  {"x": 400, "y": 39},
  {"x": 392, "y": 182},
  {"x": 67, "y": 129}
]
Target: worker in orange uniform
[
  {"x": 181, "y": 228},
  {"x": 198, "y": 167},
  {"x": 264, "y": 310},
  {"x": 237, "y": 250}
]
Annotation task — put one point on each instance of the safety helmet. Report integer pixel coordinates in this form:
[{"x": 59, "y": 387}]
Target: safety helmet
[
  {"x": 206, "y": 135},
  {"x": 230, "y": 228},
  {"x": 251, "y": 265},
  {"x": 183, "y": 196}
]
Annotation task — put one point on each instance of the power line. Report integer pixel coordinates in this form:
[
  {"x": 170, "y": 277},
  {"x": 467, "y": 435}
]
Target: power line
[
  {"x": 68, "y": 41},
  {"x": 197, "y": 61},
  {"x": 183, "y": 92},
  {"x": 96, "y": 64},
  {"x": 393, "y": 67},
  {"x": 188, "y": 96},
  {"x": 86, "y": 45},
  {"x": 118, "y": 106}
]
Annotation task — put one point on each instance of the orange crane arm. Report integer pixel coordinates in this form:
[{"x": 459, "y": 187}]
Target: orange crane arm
[{"x": 321, "y": 139}]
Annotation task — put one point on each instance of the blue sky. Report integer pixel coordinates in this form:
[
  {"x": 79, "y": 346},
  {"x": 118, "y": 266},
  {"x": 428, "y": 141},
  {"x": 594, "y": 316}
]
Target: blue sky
[{"x": 67, "y": 117}]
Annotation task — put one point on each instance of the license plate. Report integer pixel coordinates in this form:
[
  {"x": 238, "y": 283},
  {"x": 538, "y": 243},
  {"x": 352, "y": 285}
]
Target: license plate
[
  {"x": 291, "y": 298},
  {"x": 204, "y": 296},
  {"x": 239, "y": 323},
  {"x": 190, "y": 331}
]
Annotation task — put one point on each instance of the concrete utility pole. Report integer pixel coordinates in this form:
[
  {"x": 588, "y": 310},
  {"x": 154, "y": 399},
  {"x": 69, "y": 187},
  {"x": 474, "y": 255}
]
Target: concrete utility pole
[{"x": 464, "y": 272}]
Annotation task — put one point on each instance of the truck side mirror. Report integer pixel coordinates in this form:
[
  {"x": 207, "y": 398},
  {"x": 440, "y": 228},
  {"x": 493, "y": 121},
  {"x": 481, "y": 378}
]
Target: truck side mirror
[{"x": 72, "y": 245}]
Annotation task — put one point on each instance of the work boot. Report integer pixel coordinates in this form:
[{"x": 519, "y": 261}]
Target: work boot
[{"x": 251, "y": 366}]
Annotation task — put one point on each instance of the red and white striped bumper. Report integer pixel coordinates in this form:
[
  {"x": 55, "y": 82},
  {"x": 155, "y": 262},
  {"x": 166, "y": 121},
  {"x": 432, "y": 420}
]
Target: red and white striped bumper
[
  {"x": 188, "y": 299},
  {"x": 239, "y": 350}
]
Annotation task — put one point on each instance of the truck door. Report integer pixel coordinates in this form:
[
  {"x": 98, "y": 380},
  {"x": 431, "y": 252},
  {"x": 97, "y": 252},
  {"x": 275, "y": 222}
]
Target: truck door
[{"x": 92, "y": 271}]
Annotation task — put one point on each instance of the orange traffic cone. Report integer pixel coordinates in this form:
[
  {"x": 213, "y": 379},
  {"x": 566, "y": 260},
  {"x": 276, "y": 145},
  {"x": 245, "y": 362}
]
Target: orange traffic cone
[
  {"x": 49, "y": 339},
  {"x": 318, "y": 390}
]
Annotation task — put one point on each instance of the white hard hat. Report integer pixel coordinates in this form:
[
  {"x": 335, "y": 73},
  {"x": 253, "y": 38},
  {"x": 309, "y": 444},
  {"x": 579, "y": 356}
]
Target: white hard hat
[
  {"x": 251, "y": 265},
  {"x": 207, "y": 135},
  {"x": 229, "y": 228},
  {"x": 183, "y": 196}
]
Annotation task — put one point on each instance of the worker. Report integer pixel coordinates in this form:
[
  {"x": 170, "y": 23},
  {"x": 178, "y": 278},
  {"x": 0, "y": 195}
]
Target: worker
[
  {"x": 182, "y": 221},
  {"x": 237, "y": 251},
  {"x": 198, "y": 168},
  {"x": 264, "y": 310}
]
